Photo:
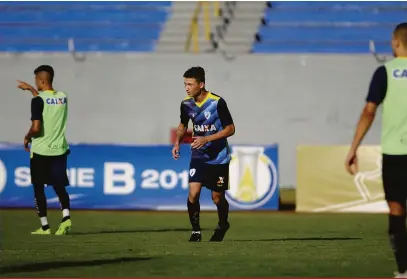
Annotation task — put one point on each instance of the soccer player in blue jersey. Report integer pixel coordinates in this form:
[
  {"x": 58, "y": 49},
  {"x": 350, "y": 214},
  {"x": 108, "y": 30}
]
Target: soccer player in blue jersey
[{"x": 209, "y": 166}]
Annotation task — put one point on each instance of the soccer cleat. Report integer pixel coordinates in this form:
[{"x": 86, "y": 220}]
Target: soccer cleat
[
  {"x": 40, "y": 231},
  {"x": 400, "y": 275},
  {"x": 195, "y": 237},
  {"x": 64, "y": 227},
  {"x": 219, "y": 233}
]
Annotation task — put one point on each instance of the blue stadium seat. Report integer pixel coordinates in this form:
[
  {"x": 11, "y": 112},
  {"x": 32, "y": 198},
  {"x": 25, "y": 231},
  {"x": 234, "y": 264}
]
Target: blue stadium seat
[
  {"x": 328, "y": 27},
  {"x": 334, "y": 16},
  {"x": 316, "y": 47},
  {"x": 338, "y": 4},
  {"x": 94, "y": 26},
  {"x": 326, "y": 33}
]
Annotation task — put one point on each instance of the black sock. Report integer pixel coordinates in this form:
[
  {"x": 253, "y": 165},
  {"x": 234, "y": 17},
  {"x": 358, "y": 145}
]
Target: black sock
[
  {"x": 63, "y": 199},
  {"x": 40, "y": 200},
  {"x": 193, "y": 210},
  {"x": 398, "y": 240},
  {"x": 223, "y": 212},
  {"x": 62, "y": 196}
]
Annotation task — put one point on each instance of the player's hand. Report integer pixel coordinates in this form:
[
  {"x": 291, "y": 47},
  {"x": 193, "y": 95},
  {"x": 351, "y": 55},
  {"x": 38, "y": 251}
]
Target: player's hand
[
  {"x": 23, "y": 85},
  {"x": 175, "y": 152},
  {"x": 26, "y": 142},
  {"x": 351, "y": 162},
  {"x": 199, "y": 142}
]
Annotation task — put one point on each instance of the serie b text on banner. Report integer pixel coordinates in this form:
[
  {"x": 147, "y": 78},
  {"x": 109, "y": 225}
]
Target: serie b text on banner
[{"x": 142, "y": 177}]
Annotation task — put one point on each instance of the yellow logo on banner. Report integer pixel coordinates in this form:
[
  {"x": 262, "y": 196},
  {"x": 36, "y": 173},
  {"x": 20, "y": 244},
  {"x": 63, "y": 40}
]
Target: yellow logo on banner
[
  {"x": 252, "y": 177},
  {"x": 247, "y": 187}
]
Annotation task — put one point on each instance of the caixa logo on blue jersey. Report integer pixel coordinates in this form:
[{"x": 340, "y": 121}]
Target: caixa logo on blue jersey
[
  {"x": 253, "y": 177},
  {"x": 56, "y": 101},
  {"x": 204, "y": 128}
]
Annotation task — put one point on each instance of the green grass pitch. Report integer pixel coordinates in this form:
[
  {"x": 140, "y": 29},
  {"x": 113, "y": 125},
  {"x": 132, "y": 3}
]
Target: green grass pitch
[{"x": 154, "y": 244}]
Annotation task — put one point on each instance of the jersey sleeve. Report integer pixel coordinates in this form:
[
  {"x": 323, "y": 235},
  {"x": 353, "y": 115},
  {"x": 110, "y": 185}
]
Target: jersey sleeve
[
  {"x": 184, "y": 116},
  {"x": 378, "y": 86},
  {"x": 224, "y": 113},
  {"x": 37, "y": 106}
]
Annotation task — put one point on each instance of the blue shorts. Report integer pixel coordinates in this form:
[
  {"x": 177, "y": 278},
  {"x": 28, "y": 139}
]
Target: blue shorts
[{"x": 213, "y": 177}]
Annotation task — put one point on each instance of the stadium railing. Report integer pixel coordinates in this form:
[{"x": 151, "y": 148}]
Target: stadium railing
[{"x": 193, "y": 34}]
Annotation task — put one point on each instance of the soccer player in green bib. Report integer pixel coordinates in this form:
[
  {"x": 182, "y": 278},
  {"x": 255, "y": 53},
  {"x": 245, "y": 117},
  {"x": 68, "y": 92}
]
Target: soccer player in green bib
[
  {"x": 49, "y": 148},
  {"x": 389, "y": 88}
]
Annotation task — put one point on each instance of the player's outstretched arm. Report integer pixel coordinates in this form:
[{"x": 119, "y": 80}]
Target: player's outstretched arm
[{"x": 25, "y": 86}]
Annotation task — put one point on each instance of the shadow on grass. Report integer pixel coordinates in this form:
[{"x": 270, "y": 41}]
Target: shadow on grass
[
  {"x": 302, "y": 239},
  {"x": 44, "y": 266},
  {"x": 135, "y": 231}
]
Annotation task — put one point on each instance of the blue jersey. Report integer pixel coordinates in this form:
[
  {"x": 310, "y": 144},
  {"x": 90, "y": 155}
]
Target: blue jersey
[{"x": 208, "y": 117}]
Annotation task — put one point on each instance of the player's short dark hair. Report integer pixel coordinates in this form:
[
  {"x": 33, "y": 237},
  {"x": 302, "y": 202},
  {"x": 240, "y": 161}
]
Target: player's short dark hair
[
  {"x": 400, "y": 32},
  {"x": 197, "y": 73},
  {"x": 46, "y": 68}
]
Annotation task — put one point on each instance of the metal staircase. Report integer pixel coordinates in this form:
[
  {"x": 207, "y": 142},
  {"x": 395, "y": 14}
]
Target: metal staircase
[{"x": 232, "y": 30}]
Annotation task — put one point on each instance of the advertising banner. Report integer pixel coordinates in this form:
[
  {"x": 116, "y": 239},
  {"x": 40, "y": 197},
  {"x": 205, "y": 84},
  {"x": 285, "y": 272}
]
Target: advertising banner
[
  {"x": 142, "y": 177},
  {"x": 323, "y": 185}
]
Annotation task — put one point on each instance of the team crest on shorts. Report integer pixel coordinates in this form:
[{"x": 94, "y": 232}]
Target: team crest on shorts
[{"x": 192, "y": 172}]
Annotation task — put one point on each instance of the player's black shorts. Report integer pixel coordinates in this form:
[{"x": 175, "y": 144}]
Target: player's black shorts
[
  {"x": 213, "y": 177},
  {"x": 49, "y": 170},
  {"x": 394, "y": 175}
]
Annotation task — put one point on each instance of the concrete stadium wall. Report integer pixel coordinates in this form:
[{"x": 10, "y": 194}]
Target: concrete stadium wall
[{"x": 289, "y": 100}]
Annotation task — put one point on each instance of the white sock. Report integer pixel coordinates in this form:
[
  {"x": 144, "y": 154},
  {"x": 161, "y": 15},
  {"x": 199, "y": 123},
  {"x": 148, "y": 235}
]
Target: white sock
[
  {"x": 44, "y": 221},
  {"x": 65, "y": 213}
]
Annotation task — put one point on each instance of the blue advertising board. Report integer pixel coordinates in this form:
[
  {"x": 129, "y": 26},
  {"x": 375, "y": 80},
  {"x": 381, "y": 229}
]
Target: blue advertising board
[{"x": 141, "y": 177}]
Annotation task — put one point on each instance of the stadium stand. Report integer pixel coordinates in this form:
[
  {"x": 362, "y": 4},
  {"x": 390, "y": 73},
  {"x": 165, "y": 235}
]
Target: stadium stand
[
  {"x": 328, "y": 27},
  {"x": 93, "y": 26}
]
